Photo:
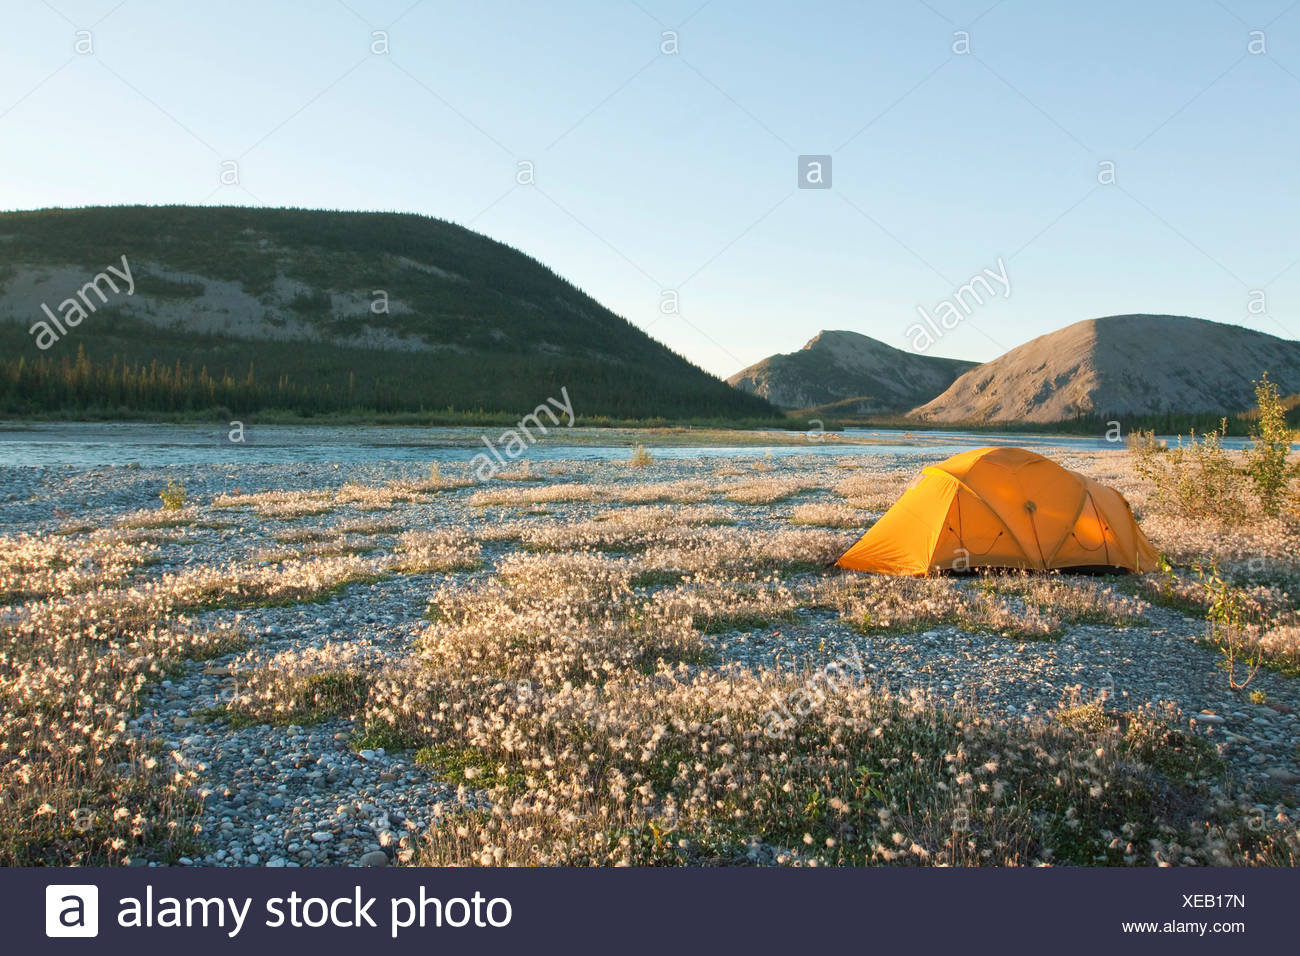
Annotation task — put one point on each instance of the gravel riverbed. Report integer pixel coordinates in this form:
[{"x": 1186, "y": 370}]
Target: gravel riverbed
[{"x": 290, "y": 795}]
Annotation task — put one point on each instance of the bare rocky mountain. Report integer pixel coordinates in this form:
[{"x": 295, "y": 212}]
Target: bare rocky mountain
[
  {"x": 1121, "y": 365},
  {"x": 838, "y": 366}
]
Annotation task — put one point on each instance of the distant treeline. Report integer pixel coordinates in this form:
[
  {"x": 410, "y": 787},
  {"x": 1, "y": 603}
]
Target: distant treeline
[
  {"x": 315, "y": 380},
  {"x": 322, "y": 381},
  {"x": 1165, "y": 423}
]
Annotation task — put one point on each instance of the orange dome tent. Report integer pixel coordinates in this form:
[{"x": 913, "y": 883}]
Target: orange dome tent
[{"x": 1002, "y": 508}]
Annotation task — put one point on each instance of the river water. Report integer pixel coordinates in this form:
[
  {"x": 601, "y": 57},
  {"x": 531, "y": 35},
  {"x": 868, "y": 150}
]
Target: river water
[{"x": 96, "y": 444}]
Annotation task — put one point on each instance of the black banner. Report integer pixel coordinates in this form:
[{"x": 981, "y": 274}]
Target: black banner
[{"x": 645, "y": 911}]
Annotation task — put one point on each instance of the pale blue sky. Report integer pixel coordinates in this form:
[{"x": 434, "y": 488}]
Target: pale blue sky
[{"x": 657, "y": 171}]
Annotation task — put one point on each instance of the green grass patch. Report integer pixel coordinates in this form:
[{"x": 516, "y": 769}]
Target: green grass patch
[
  {"x": 313, "y": 699},
  {"x": 656, "y": 578},
  {"x": 740, "y": 621},
  {"x": 648, "y": 662},
  {"x": 790, "y": 569},
  {"x": 1156, "y": 743},
  {"x": 469, "y": 767},
  {"x": 376, "y": 734}
]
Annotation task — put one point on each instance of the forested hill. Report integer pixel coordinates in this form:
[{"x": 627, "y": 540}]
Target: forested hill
[{"x": 313, "y": 312}]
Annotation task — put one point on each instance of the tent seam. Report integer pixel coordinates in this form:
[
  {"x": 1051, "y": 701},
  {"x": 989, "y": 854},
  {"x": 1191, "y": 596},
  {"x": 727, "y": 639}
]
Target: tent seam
[{"x": 993, "y": 511}]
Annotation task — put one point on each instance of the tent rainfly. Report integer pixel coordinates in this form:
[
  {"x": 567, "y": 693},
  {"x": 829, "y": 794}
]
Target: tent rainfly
[{"x": 1003, "y": 508}]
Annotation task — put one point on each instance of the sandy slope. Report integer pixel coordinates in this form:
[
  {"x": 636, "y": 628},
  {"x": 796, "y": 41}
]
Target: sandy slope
[{"x": 1122, "y": 365}]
